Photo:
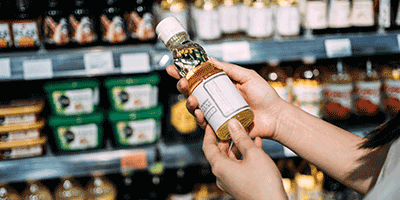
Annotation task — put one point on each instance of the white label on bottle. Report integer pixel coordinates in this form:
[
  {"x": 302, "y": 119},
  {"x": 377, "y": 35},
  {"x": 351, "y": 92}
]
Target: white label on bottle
[
  {"x": 20, "y": 136},
  {"x": 37, "y": 69},
  {"x": 219, "y": 99},
  {"x": 316, "y": 16},
  {"x": 138, "y": 132},
  {"x": 243, "y": 17},
  {"x": 236, "y": 51},
  {"x": 392, "y": 89},
  {"x": 308, "y": 98},
  {"x": 73, "y": 102},
  {"x": 288, "y": 20},
  {"x": 79, "y": 136},
  {"x": 261, "y": 22},
  {"x": 369, "y": 91},
  {"x": 17, "y": 119},
  {"x": 338, "y": 47},
  {"x": 181, "y": 16},
  {"x": 5, "y": 68},
  {"x": 135, "y": 97},
  {"x": 362, "y": 13},
  {"x": 23, "y": 152},
  {"x": 25, "y": 34},
  {"x": 384, "y": 13},
  {"x": 340, "y": 94},
  {"x": 339, "y": 14},
  {"x": 229, "y": 19},
  {"x": 207, "y": 26},
  {"x": 5, "y": 35},
  {"x": 99, "y": 62},
  {"x": 135, "y": 63}
]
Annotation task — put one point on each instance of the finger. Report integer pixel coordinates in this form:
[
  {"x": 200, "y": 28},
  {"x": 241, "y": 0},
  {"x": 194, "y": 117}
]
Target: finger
[
  {"x": 223, "y": 146},
  {"x": 201, "y": 121},
  {"x": 210, "y": 148},
  {"x": 258, "y": 142},
  {"x": 235, "y": 72},
  {"x": 183, "y": 86},
  {"x": 192, "y": 104},
  {"x": 172, "y": 71},
  {"x": 239, "y": 136}
]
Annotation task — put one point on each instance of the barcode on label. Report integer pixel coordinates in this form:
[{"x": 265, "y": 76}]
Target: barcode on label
[
  {"x": 98, "y": 62},
  {"x": 236, "y": 51},
  {"x": 338, "y": 47},
  {"x": 37, "y": 69}
]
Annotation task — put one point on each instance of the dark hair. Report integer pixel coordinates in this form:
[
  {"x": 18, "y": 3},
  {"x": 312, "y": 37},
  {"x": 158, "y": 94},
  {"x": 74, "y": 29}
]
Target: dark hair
[{"x": 387, "y": 133}]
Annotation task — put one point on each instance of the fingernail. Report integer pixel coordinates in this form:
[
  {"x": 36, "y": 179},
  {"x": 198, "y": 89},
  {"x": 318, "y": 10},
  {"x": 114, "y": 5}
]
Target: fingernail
[{"x": 233, "y": 125}]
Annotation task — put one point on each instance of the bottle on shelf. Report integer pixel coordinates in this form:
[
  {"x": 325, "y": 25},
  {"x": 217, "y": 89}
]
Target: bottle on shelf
[
  {"x": 288, "y": 171},
  {"x": 205, "y": 14},
  {"x": 182, "y": 185},
  {"x": 83, "y": 30},
  {"x": 173, "y": 8},
  {"x": 385, "y": 15},
  {"x": 99, "y": 187},
  {"x": 157, "y": 183},
  {"x": 25, "y": 25},
  {"x": 339, "y": 16},
  {"x": 229, "y": 16},
  {"x": 140, "y": 21},
  {"x": 68, "y": 189},
  {"x": 391, "y": 87},
  {"x": 316, "y": 17},
  {"x": 338, "y": 88},
  {"x": 309, "y": 181},
  {"x": 362, "y": 16},
  {"x": 244, "y": 15},
  {"x": 55, "y": 25},
  {"x": 287, "y": 18},
  {"x": 260, "y": 19},
  {"x": 277, "y": 78},
  {"x": 6, "y": 192},
  {"x": 112, "y": 22},
  {"x": 205, "y": 79},
  {"x": 6, "y": 41},
  {"x": 36, "y": 190}
]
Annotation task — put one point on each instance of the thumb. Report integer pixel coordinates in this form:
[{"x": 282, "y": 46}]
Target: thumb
[{"x": 239, "y": 136}]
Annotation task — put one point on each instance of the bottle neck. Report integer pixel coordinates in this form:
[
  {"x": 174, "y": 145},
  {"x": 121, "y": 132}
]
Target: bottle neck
[{"x": 177, "y": 40}]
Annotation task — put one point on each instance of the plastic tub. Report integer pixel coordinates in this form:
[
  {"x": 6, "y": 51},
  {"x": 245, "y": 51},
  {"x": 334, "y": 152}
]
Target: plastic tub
[
  {"x": 134, "y": 93},
  {"x": 22, "y": 149},
  {"x": 20, "y": 112},
  {"x": 77, "y": 133},
  {"x": 73, "y": 97},
  {"x": 24, "y": 132},
  {"x": 136, "y": 127}
]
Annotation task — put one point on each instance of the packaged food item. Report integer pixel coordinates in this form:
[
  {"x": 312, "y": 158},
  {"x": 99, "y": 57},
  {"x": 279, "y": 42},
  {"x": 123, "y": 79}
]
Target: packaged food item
[
  {"x": 112, "y": 22},
  {"x": 20, "y": 112},
  {"x": 277, "y": 78},
  {"x": 22, "y": 149},
  {"x": 69, "y": 189},
  {"x": 391, "y": 88},
  {"x": 73, "y": 97},
  {"x": 6, "y": 41},
  {"x": 367, "y": 91},
  {"x": 21, "y": 132},
  {"x": 133, "y": 93},
  {"x": 136, "y": 127},
  {"x": 339, "y": 15},
  {"x": 217, "y": 96},
  {"x": 140, "y": 21},
  {"x": 229, "y": 16},
  {"x": 25, "y": 25},
  {"x": 82, "y": 23},
  {"x": 173, "y": 8},
  {"x": 9, "y": 193},
  {"x": 260, "y": 19},
  {"x": 205, "y": 14},
  {"x": 76, "y": 133},
  {"x": 100, "y": 188},
  {"x": 55, "y": 24},
  {"x": 338, "y": 89},
  {"x": 287, "y": 18},
  {"x": 316, "y": 16},
  {"x": 36, "y": 190}
]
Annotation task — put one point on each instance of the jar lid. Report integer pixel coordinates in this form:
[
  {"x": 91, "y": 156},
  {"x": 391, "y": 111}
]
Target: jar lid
[{"x": 167, "y": 28}]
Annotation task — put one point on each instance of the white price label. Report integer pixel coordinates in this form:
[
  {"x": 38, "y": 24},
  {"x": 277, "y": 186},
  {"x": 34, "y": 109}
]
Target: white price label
[
  {"x": 135, "y": 63},
  {"x": 288, "y": 153},
  {"x": 236, "y": 51},
  {"x": 38, "y": 69},
  {"x": 5, "y": 68},
  {"x": 338, "y": 47},
  {"x": 98, "y": 62},
  {"x": 398, "y": 40}
]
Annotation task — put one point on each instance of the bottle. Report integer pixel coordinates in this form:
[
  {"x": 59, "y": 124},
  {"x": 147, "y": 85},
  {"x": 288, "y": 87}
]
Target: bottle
[
  {"x": 156, "y": 181},
  {"x": 25, "y": 26},
  {"x": 6, "y": 192},
  {"x": 307, "y": 88},
  {"x": 140, "y": 21},
  {"x": 367, "y": 91},
  {"x": 287, "y": 18},
  {"x": 100, "y": 188},
  {"x": 55, "y": 25},
  {"x": 338, "y": 88},
  {"x": 362, "y": 16},
  {"x": 205, "y": 14},
  {"x": 244, "y": 15},
  {"x": 316, "y": 16},
  {"x": 277, "y": 78},
  {"x": 288, "y": 171},
  {"x": 339, "y": 16},
  {"x": 385, "y": 15},
  {"x": 260, "y": 19},
  {"x": 310, "y": 182},
  {"x": 36, "y": 190},
  {"x": 68, "y": 189},
  {"x": 217, "y": 96},
  {"x": 229, "y": 16},
  {"x": 173, "y": 8},
  {"x": 112, "y": 23},
  {"x": 82, "y": 22},
  {"x": 182, "y": 185},
  {"x": 6, "y": 41},
  {"x": 391, "y": 87}
]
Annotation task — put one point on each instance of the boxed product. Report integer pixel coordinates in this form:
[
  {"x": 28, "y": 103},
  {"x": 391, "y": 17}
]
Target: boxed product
[
  {"x": 73, "y": 97},
  {"x": 134, "y": 93},
  {"x": 136, "y": 127},
  {"x": 24, "y": 132},
  {"x": 20, "y": 112},
  {"x": 22, "y": 149},
  {"x": 76, "y": 133}
]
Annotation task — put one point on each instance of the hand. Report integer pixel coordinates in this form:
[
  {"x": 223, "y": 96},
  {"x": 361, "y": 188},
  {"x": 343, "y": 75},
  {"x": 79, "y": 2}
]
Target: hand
[
  {"x": 261, "y": 97},
  {"x": 254, "y": 177}
]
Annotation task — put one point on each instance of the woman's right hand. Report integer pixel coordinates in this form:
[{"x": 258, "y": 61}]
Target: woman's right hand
[{"x": 261, "y": 97}]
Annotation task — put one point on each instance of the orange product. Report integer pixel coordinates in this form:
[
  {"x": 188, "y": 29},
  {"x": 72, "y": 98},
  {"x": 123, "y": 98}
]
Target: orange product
[{"x": 391, "y": 88}]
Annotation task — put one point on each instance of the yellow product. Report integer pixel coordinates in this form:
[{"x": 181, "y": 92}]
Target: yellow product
[
  {"x": 310, "y": 187},
  {"x": 22, "y": 149},
  {"x": 69, "y": 190},
  {"x": 18, "y": 133},
  {"x": 20, "y": 112},
  {"x": 100, "y": 188},
  {"x": 6, "y": 192},
  {"x": 36, "y": 190},
  {"x": 181, "y": 119}
]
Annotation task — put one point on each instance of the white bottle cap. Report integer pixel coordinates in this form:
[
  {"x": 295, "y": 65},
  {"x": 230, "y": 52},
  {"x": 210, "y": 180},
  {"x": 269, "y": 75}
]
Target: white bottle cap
[{"x": 167, "y": 28}]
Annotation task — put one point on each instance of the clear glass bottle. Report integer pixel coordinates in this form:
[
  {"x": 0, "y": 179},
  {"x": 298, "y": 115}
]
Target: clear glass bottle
[
  {"x": 316, "y": 16},
  {"x": 244, "y": 13},
  {"x": 260, "y": 19},
  {"x": 277, "y": 78},
  {"x": 8, "y": 193},
  {"x": 112, "y": 22},
  {"x": 100, "y": 188},
  {"x": 36, "y": 190},
  {"x": 217, "y": 96},
  {"x": 205, "y": 14},
  {"x": 362, "y": 16},
  {"x": 391, "y": 87},
  {"x": 229, "y": 15},
  {"x": 55, "y": 25},
  {"x": 173, "y": 8},
  {"x": 287, "y": 18},
  {"x": 68, "y": 189},
  {"x": 339, "y": 16}
]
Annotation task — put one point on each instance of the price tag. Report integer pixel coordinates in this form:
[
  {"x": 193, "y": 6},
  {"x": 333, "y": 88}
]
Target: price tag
[
  {"x": 288, "y": 153},
  {"x": 398, "y": 40},
  {"x": 98, "y": 62},
  {"x": 338, "y": 47},
  {"x": 38, "y": 69},
  {"x": 236, "y": 51},
  {"x": 135, "y": 63},
  {"x": 5, "y": 68},
  {"x": 134, "y": 160}
]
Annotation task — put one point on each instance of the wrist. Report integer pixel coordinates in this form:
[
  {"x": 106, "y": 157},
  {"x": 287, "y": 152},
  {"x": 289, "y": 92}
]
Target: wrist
[{"x": 285, "y": 122}]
